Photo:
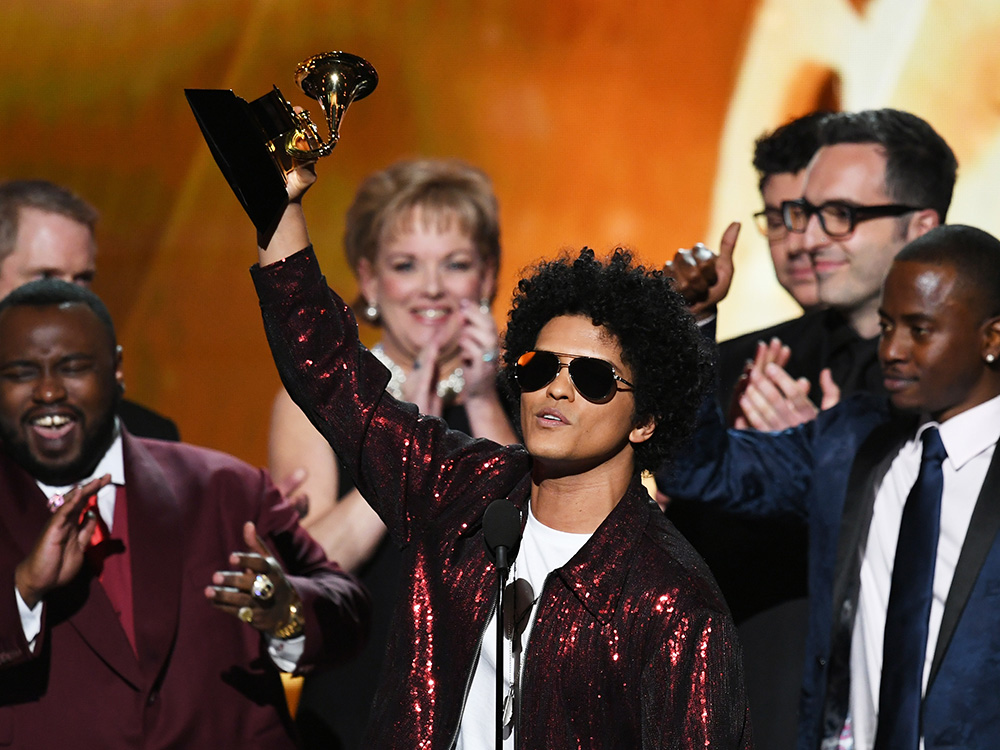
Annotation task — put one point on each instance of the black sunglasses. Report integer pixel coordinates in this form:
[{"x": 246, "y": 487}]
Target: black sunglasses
[{"x": 594, "y": 379}]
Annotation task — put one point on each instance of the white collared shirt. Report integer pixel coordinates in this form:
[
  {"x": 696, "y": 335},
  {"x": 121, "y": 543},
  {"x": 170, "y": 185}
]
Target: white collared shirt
[
  {"x": 113, "y": 463},
  {"x": 970, "y": 439}
]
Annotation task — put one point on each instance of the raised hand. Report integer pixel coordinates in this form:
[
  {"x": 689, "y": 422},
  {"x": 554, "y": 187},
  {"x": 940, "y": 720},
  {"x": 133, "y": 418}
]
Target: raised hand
[
  {"x": 58, "y": 553},
  {"x": 255, "y": 589},
  {"x": 479, "y": 343},
  {"x": 300, "y": 179},
  {"x": 702, "y": 277},
  {"x": 291, "y": 234}
]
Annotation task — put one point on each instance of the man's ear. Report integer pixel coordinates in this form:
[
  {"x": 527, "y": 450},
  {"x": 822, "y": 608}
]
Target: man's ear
[
  {"x": 991, "y": 341},
  {"x": 921, "y": 223},
  {"x": 642, "y": 432}
]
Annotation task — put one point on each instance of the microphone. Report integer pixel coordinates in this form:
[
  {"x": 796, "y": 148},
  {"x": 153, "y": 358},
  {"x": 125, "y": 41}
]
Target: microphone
[{"x": 502, "y": 533}]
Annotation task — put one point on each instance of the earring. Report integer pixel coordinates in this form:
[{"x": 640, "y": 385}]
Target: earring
[
  {"x": 991, "y": 358},
  {"x": 371, "y": 312}
]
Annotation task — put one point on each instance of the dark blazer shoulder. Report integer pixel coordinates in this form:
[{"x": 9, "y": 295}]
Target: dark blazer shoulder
[{"x": 142, "y": 421}]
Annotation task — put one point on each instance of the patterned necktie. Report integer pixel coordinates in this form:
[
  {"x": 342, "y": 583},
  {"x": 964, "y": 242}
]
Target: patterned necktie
[
  {"x": 101, "y": 532},
  {"x": 906, "y": 620}
]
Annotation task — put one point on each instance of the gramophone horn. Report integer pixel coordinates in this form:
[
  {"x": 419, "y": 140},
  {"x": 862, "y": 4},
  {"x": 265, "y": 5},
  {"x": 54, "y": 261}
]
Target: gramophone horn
[
  {"x": 334, "y": 79},
  {"x": 256, "y": 144}
]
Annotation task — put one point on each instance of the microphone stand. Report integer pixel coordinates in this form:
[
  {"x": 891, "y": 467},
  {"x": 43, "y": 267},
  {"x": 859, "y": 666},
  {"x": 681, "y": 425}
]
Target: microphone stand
[
  {"x": 503, "y": 571},
  {"x": 502, "y": 535}
]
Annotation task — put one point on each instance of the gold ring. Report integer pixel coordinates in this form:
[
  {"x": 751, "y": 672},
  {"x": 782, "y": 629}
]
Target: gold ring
[
  {"x": 262, "y": 588},
  {"x": 245, "y": 614}
]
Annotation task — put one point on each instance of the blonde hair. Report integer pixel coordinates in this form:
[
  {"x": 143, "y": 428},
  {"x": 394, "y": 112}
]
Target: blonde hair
[{"x": 439, "y": 191}]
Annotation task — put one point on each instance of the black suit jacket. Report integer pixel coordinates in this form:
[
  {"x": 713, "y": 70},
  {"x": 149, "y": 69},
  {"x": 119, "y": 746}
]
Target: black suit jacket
[{"x": 144, "y": 422}]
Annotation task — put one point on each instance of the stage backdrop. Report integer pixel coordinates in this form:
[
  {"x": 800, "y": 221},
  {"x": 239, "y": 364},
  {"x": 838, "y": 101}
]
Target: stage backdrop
[{"x": 601, "y": 123}]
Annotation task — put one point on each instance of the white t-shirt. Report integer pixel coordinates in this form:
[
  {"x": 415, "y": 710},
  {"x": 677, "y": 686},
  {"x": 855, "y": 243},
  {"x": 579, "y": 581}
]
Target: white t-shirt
[{"x": 542, "y": 551}]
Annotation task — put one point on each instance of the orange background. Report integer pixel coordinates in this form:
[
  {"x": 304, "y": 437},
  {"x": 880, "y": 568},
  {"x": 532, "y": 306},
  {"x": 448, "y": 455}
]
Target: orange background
[{"x": 600, "y": 122}]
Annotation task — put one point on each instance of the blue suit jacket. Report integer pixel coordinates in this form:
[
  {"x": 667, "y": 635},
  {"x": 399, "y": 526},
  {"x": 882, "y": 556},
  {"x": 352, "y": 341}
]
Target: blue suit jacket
[{"x": 827, "y": 472}]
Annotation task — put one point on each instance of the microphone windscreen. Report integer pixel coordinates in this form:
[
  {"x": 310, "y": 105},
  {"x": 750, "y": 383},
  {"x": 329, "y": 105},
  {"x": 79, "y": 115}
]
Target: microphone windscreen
[{"x": 502, "y": 528}]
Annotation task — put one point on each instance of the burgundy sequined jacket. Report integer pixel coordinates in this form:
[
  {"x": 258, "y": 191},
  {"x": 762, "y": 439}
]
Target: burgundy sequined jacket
[{"x": 632, "y": 646}]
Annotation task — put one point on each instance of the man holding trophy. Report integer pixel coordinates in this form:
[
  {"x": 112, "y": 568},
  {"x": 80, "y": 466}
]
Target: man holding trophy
[{"x": 626, "y": 641}]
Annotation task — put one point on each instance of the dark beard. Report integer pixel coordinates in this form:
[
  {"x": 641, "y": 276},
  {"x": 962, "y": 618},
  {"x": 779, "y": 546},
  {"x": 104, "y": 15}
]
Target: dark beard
[{"x": 96, "y": 445}]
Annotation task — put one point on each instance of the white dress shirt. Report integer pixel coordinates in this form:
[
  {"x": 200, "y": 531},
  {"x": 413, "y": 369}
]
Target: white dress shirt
[{"x": 970, "y": 439}]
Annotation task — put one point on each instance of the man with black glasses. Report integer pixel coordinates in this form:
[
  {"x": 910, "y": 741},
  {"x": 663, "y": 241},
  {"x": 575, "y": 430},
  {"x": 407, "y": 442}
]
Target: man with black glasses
[
  {"x": 780, "y": 158},
  {"x": 880, "y": 179}
]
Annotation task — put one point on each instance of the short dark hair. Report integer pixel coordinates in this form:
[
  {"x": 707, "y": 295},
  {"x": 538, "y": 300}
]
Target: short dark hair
[
  {"x": 56, "y": 292},
  {"x": 973, "y": 253},
  {"x": 43, "y": 195},
  {"x": 669, "y": 359},
  {"x": 788, "y": 148},
  {"x": 920, "y": 166}
]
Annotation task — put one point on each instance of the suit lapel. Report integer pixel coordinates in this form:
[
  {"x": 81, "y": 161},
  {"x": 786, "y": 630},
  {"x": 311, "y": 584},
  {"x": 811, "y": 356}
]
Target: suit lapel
[
  {"x": 983, "y": 529},
  {"x": 871, "y": 463},
  {"x": 155, "y": 539},
  {"x": 24, "y": 506},
  {"x": 870, "y": 466}
]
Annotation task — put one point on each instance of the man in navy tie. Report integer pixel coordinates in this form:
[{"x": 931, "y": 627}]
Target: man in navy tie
[{"x": 899, "y": 497}]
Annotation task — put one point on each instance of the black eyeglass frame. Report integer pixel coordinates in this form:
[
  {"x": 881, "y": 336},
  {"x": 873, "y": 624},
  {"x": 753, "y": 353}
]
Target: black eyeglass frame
[
  {"x": 855, "y": 214},
  {"x": 603, "y": 363},
  {"x": 764, "y": 226}
]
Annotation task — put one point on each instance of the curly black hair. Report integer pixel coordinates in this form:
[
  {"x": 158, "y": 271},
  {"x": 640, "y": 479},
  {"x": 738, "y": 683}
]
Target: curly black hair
[{"x": 669, "y": 359}]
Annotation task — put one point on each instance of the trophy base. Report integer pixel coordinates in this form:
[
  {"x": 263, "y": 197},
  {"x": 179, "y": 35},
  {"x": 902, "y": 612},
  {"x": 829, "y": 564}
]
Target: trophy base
[{"x": 254, "y": 166}]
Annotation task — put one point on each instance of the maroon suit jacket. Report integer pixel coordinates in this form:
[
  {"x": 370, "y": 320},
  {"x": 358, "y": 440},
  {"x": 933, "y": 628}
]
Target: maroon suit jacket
[{"x": 202, "y": 678}]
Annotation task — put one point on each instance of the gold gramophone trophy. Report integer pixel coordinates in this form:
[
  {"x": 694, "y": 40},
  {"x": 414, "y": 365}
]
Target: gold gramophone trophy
[{"x": 254, "y": 142}]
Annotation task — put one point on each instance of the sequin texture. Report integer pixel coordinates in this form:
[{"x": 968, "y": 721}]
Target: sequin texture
[{"x": 631, "y": 647}]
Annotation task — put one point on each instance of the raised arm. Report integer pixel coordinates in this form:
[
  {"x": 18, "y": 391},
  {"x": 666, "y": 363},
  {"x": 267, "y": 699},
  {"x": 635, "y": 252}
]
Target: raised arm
[
  {"x": 743, "y": 471},
  {"x": 291, "y": 234},
  {"x": 400, "y": 461}
]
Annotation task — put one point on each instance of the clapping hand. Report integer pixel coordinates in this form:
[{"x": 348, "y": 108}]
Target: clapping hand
[
  {"x": 58, "y": 553},
  {"x": 772, "y": 399}
]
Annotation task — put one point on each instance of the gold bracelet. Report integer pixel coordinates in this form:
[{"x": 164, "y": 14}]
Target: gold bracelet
[{"x": 294, "y": 624}]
